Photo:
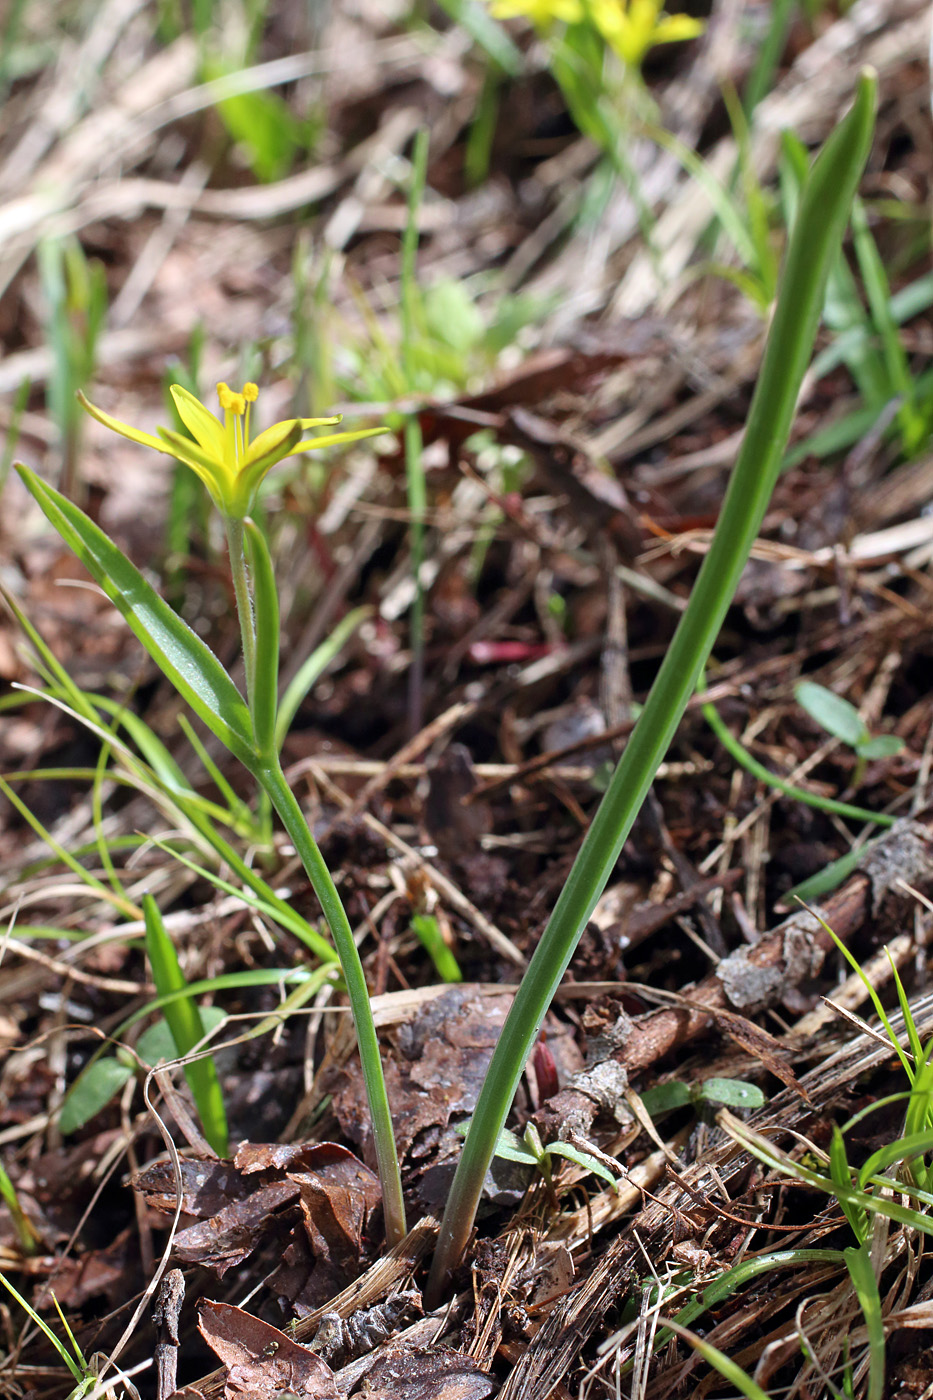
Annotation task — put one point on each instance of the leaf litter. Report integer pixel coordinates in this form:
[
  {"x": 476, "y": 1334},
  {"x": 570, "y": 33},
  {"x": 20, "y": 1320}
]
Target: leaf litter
[{"x": 648, "y": 377}]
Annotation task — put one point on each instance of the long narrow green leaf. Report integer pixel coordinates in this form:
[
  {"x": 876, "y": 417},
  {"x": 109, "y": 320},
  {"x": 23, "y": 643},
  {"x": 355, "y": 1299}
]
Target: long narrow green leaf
[
  {"x": 188, "y": 662},
  {"x": 858, "y": 1262},
  {"x": 184, "y": 1021},
  {"x": 730, "y": 1370},
  {"x": 259, "y": 896},
  {"x": 824, "y": 208},
  {"x": 764, "y": 775},
  {"x": 125, "y": 906}
]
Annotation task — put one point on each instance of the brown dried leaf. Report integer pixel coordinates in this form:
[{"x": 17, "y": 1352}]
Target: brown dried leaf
[
  {"x": 260, "y": 1359},
  {"x": 231, "y": 1235},
  {"x": 435, "y": 1374},
  {"x": 206, "y": 1186},
  {"x": 336, "y": 1202}
]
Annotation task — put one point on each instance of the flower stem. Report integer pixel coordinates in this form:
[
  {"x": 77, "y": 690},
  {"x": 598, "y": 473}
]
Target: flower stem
[
  {"x": 244, "y": 601},
  {"x": 273, "y": 781}
]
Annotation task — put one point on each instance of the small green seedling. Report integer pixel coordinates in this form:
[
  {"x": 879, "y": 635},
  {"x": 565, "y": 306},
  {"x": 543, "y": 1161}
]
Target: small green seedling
[
  {"x": 74, "y": 290},
  {"x": 186, "y": 1024},
  {"x": 712, "y": 1094},
  {"x": 428, "y": 931},
  {"x": 840, "y": 718},
  {"x": 82, "y": 1372},
  {"x": 103, "y": 1078},
  {"x": 530, "y": 1151},
  {"x": 29, "y": 1241}
]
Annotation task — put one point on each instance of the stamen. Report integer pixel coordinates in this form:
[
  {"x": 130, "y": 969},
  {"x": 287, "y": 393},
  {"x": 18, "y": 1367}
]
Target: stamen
[
  {"x": 250, "y": 394},
  {"x": 230, "y": 401}
]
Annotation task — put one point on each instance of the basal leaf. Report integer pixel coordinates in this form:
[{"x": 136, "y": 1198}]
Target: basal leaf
[{"x": 92, "y": 1091}]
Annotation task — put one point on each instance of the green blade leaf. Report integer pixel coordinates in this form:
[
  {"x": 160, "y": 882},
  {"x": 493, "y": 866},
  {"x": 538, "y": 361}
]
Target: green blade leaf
[
  {"x": 187, "y": 1027},
  {"x": 663, "y": 1098},
  {"x": 825, "y": 202},
  {"x": 188, "y": 663},
  {"x": 429, "y": 934},
  {"x": 313, "y": 667}
]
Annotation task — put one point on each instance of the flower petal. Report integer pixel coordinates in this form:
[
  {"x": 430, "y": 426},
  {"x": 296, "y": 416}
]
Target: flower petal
[
  {"x": 672, "y": 28},
  {"x": 272, "y": 439},
  {"x": 201, "y": 423},
  {"x": 134, "y": 434},
  {"x": 332, "y": 438}
]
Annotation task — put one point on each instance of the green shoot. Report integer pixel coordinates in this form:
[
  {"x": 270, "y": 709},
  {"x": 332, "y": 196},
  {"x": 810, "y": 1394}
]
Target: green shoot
[
  {"x": 414, "y": 466},
  {"x": 530, "y": 1151},
  {"x": 764, "y": 775},
  {"x": 75, "y": 1362},
  {"x": 840, "y": 718},
  {"x": 187, "y": 1028},
  {"x": 29, "y": 1241},
  {"x": 429, "y": 935},
  {"x": 75, "y": 293},
  {"x": 730, "y": 1370}
]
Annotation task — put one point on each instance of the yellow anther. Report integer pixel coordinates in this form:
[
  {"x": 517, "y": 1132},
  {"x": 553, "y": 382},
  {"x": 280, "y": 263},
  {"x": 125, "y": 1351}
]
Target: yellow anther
[
  {"x": 229, "y": 401},
  {"x": 250, "y": 392}
]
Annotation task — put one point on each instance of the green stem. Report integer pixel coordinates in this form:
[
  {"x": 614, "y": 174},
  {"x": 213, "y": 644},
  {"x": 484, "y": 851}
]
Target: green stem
[
  {"x": 272, "y": 779},
  {"x": 244, "y": 602},
  {"x": 764, "y": 775},
  {"x": 824, "y": 206}
]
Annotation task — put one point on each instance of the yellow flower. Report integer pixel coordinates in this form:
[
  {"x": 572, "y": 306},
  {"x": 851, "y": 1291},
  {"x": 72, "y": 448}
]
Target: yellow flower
[
  {"x": 221, "y": 454},
  {"x": 632, "y": 27},
  {"x": 540, "y": 12}
]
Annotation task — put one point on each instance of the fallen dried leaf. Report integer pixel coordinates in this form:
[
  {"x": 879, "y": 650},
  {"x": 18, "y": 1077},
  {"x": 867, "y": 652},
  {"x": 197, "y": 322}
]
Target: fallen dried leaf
[
  {"x": 261, "y": 1360},
  {"x": 437, "y": 1374}
]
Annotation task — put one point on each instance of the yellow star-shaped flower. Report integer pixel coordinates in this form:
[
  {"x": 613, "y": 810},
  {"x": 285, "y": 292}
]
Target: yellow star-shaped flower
[
  {"x": 632, "y": 27},
  {"x": 231, "y": 467}
]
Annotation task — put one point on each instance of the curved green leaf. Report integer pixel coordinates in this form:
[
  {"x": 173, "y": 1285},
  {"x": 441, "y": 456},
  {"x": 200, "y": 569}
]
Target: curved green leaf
[{"x": 188, "y": 662}]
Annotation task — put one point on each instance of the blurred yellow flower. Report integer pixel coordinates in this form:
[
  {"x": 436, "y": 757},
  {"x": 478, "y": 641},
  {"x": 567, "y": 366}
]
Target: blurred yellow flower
[
  {"x": 231, "y": 467},
  {"x": 630, "y": 27},
  {"x": 540, "y": 12}
]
